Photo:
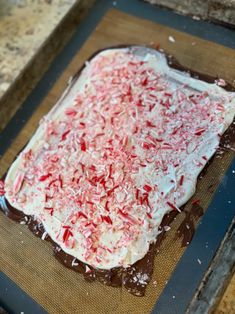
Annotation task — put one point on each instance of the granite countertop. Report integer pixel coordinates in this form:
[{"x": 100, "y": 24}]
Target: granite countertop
[
  {"x": 219, "y": 11},
  {"x": 24, "y": 26}
]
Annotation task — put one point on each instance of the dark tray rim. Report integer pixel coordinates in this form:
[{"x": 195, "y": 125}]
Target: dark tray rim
[{"x": 185, "y": 281}]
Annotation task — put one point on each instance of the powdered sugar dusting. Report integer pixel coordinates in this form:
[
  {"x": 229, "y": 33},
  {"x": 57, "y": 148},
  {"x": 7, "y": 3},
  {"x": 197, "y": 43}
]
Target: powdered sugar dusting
[{"x": 141, "y": 279}]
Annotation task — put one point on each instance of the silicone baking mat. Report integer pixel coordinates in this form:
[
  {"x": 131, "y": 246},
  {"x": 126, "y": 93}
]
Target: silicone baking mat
[{"x": 29, "y": 261}]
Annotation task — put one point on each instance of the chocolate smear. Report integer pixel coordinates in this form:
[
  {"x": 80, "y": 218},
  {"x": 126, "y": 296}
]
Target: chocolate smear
[
  {"x": 186, "y": 229},
  {"x": 134, "y": 278}
]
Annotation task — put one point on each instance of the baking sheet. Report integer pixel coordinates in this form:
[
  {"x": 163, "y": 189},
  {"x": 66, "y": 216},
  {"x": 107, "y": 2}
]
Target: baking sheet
[{"x": 28, "y": 260}]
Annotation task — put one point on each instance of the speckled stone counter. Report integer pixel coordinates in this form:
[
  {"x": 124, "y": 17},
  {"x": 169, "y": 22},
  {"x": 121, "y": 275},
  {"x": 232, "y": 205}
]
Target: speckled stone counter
[
  {"x": 219, "y": 11},
  {"x": 23, "y": 28},
  {"x": 32, "y": 32}
]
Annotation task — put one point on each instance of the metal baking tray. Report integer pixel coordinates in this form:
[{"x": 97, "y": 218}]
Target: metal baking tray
[{"x": 215, "y": 228}]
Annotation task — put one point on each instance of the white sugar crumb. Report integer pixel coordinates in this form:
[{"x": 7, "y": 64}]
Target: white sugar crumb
[
  {"x": 199, "y": 261},
  {"x": 171, "y": 39},
  {"x": 155, "y": 283},
  {"x": 173, "y": 297},
  {"x": 70, "y": 80},
  {"x": 233, "y": 171},
  {"x": 22, "y": 222},
  {"x": 74, "y": 263},
  {"x": 167, "y": 228},
  {"x": 58, "y": 249},
  {"x": 220, "y": 82},
  {"x": 187, "y": 226},
  {"x": 229, "y": 202},
  {"x": 141, "y": 278},
  {"x": 196, "y": 18},
  {"x": 87, "y": 270},
  {"x": 229, "y": 147},
  {"x": 44, "y": 235}
]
